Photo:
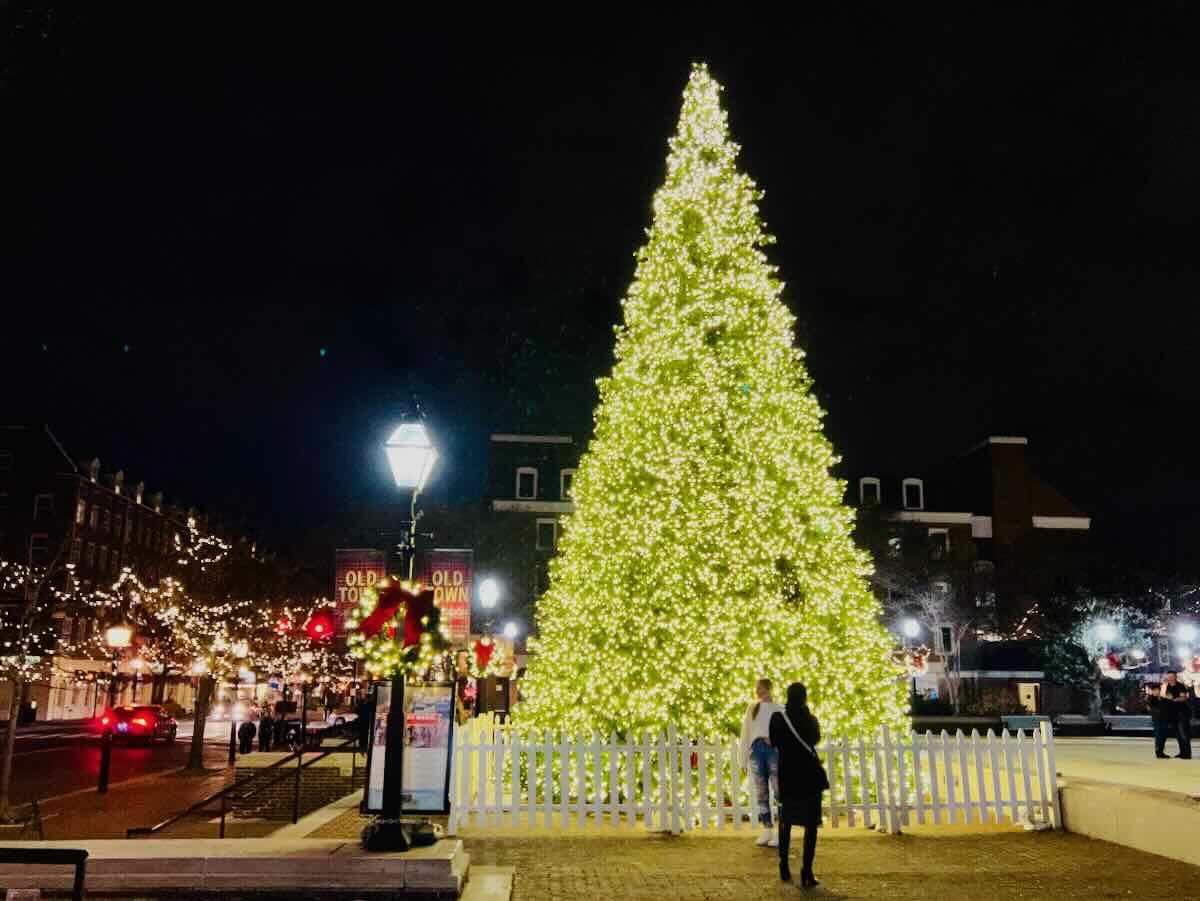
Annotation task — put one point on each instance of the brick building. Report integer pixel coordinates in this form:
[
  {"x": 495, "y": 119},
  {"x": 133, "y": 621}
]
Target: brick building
[
  {"x": 87, "y": 523},
  {"x": 988, "y": 533},
  {"x": 528, "y": 491}
]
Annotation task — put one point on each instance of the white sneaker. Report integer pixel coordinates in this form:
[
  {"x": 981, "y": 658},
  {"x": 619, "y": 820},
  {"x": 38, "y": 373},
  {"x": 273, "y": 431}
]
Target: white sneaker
[
  {"x": 773, "y": 842},
  {"x": 767, "y": 837}
]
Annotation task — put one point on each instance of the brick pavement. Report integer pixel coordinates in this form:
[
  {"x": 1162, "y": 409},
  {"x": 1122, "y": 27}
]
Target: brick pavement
[{"x": 930, "y": 864}]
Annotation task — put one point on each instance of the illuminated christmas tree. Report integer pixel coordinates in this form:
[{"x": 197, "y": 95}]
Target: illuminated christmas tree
[{"x": 710, "y": 545}]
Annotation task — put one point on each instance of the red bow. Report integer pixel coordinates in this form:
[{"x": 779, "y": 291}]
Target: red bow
[
  {"x": 390, "y": 599},
  {"x": 483, "y": 653}
]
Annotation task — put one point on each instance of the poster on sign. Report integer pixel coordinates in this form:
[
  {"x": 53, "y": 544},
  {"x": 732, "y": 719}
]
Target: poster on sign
[
  {"x": 355, "y": 569},
  {"x": 449, "y": 572},
  {"x": 428, "y": 724}
]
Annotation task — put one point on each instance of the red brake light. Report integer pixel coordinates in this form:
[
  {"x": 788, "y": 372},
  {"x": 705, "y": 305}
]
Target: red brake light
[{"x": 103, "y": 721}]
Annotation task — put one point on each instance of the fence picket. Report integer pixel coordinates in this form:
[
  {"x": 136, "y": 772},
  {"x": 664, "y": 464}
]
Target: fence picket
[
  {"x": 980, "y": 782},
  {"x": 1039, "y": 757},
  {"x": 847, "y": 782},
  {"x": 702, "y": 780},
  {"x": 997, "y": 795},
  {"x": 1051, "y": 772},
  {"x": 965, "y": 774},
  {"x": 1023, "y": 749},
  {"x": 917, "y": 780},
  {"x": 1012, "y": 780},
  {"x": 900, "y": 799},
  {"x": 720, "y": 779},
  {"x": 934, "y": 788}
]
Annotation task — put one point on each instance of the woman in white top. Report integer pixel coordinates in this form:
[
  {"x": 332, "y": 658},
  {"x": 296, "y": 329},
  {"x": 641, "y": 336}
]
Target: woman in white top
[{"x": 760, "y": 758}]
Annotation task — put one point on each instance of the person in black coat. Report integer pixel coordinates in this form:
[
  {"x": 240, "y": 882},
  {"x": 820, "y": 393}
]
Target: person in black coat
[
  {"x": 795, "y": 734},
  {"x": 245, "y": 734},
  {"x": 266, "y": 729}
]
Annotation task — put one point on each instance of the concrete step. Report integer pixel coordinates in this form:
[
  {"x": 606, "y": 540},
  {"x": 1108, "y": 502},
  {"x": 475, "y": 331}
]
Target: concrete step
[
  {"x": 290, "y": 867},
  {"x": 488, "y": 884}
]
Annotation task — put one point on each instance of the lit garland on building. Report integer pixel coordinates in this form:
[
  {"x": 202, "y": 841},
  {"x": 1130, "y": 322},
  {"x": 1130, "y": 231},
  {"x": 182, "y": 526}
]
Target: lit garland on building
[{"x": 710, "y": 545}]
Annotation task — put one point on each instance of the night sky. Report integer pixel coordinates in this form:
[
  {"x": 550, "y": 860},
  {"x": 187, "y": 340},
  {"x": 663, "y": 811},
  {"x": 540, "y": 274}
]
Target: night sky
[{"x": 236, "y": 245}]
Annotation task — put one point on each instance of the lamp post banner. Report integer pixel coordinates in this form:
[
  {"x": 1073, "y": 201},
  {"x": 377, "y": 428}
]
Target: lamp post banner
[
  {"x": 450, "y": 573},
  {"x": 355, "y": 569}
]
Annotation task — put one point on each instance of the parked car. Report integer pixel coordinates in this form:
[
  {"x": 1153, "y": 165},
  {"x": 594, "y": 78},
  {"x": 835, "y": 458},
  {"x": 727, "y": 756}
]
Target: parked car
[{"x": 146, "y": 723}]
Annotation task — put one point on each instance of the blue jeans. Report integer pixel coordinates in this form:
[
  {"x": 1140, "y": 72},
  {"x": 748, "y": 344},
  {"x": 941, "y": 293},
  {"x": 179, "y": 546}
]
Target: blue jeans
[{"x": 764, "y": 766}]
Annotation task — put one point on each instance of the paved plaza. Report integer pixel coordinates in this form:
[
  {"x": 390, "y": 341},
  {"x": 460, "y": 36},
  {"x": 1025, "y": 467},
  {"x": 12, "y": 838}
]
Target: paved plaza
[{"x": 950, "y": 863}]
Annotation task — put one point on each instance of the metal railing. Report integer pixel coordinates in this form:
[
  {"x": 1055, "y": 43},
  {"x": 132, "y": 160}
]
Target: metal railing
[
  {"x": 51, "y": 857},
  {"x": 231, "y": 792}
]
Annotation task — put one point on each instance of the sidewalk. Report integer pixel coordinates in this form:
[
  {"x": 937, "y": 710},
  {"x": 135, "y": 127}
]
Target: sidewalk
[
  {"x": 947, "y": 863},
  {"x": 143, "y": 801}
]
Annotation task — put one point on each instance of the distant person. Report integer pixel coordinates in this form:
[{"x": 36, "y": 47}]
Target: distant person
[
  {"x": 266, "y": 730},
  {"x": 1177, "y": 707},
  {"x": 760, "y": 758},
  {"x": 795, "y": 734},
  {"x": 245, "y": 734},
  {"x": 1154, "y": 703},
  {"x": 281, "y": 729}
]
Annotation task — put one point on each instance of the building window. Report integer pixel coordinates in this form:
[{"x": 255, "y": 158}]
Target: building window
[
  {"x": 105, "y": 520},
  {"x": 89, "y": 555},
  {"x": 939, "y": 543},
  {"x": 868, "y": 491},
  {"x": 80, "y": 511},
  {"x": 527, "y": 478},
  {"x": 39, "y": 549},
  {"x": 566, "y": 481},
  {"x": 945, "y": 639},
  {"x": 102, "y": 559},
  {"x": 43, "y": 505},
  {"x": 547, "y": 534},
  {"x": 94, "y": 518},
  {"x": 914, "y": 494},
  {"x": 76, "y": 549}
]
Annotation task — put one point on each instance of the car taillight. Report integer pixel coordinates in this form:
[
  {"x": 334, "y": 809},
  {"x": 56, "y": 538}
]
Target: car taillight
[
  {"x": 103, "y": 721},
  {"x": 140, "y": 721}
]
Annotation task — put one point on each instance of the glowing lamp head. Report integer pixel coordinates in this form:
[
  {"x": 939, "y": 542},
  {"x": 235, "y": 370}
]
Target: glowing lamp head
[
  {"x": 411, "y": 455},
  {"x": 511, "y": 630},
  {"x": 1106, "y": 632},
  {"x": 910, "y": 627},
  {"x": 1138, "y": 654},
  {"x": 489, "y": 593},
  {"x": 119, "y": 635},
  {"x": 1186, "y": 633}
]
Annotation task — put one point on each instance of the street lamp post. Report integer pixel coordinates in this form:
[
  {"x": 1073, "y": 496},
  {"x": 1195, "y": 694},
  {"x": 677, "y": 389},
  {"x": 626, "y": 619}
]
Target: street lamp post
[
  {"x": 411, "y": 456},
  {"x": 117, "y": 637}
]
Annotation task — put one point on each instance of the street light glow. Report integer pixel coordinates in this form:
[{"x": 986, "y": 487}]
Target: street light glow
[
  {"x": 1186, "y": 632},
  {"x": 411, "y": 456},
  {"x": 910, "y": 627},
  {"x": 511, "y": 630},
  {"x": 489, "y": 593},
  {"x": 1106, "y": 632}
]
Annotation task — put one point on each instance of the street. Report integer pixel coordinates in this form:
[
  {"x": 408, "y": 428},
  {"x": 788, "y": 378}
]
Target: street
[
  {"x": 1126, "y": 760},
  {"x": 53, "y": 759}
]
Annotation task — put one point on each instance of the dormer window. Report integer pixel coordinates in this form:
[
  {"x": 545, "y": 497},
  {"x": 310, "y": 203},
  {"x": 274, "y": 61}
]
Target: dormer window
[
  {"x": 527, "y": 479},
  {"x": 566, "y": 480},
  {"x": 868, "y": 491},
  {"x": 913, "y": 493}
]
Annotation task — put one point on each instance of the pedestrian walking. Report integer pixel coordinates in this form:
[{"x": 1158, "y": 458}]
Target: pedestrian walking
[
  {"x": 1177, "y": 707},
  {"x": 795, "y": 734},
  {"x": 266, "y": 729},
  {"x": 757, "y": 755},
  {"x": 1154, "y": 703},
  {"x": 245, "y": 734}
]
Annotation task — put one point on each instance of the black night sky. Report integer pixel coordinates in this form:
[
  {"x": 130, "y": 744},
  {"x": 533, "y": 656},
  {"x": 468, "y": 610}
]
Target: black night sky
[{"x": 236, "y": 243}]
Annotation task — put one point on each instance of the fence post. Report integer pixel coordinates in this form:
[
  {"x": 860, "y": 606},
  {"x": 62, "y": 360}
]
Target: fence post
[
  {"x": 1052, "y": 772},
  {"x": 673, "y": 780},
  {"x": 893, "y": 810},
  {"x": 452, "y": 819}
]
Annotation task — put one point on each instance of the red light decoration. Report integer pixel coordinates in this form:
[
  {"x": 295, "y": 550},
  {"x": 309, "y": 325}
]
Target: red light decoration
[{"x": 320, "y": 625}]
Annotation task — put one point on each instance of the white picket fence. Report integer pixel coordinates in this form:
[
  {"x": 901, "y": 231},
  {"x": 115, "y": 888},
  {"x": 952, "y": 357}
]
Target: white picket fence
[{"x": 503, "y": 776}]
